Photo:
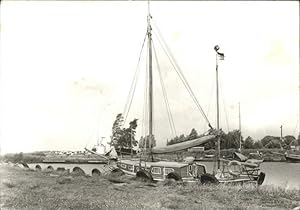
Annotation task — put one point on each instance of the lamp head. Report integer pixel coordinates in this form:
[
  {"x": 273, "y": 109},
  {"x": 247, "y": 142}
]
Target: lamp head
[{"x": 216, "y": 48}]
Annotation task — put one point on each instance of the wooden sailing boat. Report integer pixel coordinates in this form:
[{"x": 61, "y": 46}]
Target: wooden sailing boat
[
  {"x": 188, "y": 170},
  {"x": 160, "y": 170}
]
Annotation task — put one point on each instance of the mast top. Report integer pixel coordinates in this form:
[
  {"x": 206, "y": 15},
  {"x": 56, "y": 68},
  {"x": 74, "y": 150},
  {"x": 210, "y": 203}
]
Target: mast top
[
  {"x": 149, "y": 8},
  {"x": 149, "y": 18}
]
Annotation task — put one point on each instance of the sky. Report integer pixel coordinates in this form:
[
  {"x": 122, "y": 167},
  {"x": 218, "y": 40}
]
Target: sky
[{"x": 67, "y": 67}]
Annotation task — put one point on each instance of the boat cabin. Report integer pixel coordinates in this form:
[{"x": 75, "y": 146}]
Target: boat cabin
[{"x": 164, "y": 169}]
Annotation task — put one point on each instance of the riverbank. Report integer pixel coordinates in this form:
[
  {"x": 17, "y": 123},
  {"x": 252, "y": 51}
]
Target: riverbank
[
  {"x": 27, "y": 189},
  {"x": 268, "y": 155}
]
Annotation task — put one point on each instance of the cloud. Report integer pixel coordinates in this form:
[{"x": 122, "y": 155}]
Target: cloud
[{"x": 277, "y": 54}]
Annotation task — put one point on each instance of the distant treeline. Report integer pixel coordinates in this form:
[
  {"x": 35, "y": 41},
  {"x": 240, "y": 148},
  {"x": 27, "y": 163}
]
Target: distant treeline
[{"x": 231, "y": 140}]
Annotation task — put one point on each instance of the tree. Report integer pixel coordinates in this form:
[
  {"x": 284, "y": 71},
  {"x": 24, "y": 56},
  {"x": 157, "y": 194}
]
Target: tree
[
  {"x": 116, "y": 129},
  {"x": 257, "y": 145},
  {"x": 173, "y": 141},
  {"x": 273, "y": 144},
  {"x": 181, "y": 138},
  {"x": 298, "y": 140},
  {"x": 193, "y": 134},
  {"x": 210, "y": 145},
  {"x": 127, "y": 136},
  {"x": 288, "y": 139},
  {"x": 249, "y": 143},
  {"x": 177, "y": 139},
  {"x": 230, "y": 140},
  {"x": 146, "y": 140},
  {"x": 266, "y": 140}
]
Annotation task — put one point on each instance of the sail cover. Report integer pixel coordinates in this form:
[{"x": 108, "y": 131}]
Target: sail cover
[{"x": 183, "y": 145}]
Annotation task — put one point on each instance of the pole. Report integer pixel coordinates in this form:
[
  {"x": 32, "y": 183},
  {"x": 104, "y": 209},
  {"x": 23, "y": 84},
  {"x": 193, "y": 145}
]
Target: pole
[
  {"x": 281, "y": 139},
  {"x": 240, "y": 127},
  {"x": 131, "y": 152},
  {"x": 218, "y": 115}
]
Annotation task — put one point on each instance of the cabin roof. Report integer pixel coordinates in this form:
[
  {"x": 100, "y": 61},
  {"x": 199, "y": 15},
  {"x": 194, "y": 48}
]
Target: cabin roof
[
  {"x": 169, "y": 164},
  {"x": 158, "y": 164}
]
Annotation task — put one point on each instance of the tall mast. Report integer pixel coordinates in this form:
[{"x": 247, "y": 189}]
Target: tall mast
[
  {"x": 150, "y": 78},
  {"x": 299, "y": 104}
]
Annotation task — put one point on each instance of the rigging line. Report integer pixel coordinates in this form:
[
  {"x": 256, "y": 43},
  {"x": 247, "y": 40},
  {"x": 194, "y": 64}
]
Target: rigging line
[
  {"x": 184, "y": 81},
  {"x": 173, "y": 62},
  {"x": 180, "y": 76},
  {"x": 90, "y": 136},
  {"x": 130, "y": 98},
  {"x": 93, "y": 131},
  {"x": 170, "y": 117},
  {"x": 133, "y": 85},
  {"x": 212, "y": 90},
  {"x": 296, "y": 128},
  {"x": 143, "y": 116}
]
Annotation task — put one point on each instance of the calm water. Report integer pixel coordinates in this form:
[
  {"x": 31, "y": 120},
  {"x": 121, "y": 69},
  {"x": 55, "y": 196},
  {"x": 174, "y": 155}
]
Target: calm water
[
  {"x": 277, "y": 173},
  {"x": 281, "y": 174}
]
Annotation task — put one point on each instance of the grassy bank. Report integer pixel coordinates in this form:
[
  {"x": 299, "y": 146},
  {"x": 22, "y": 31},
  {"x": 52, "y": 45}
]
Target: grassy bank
[{"x": 27, "y": 189}]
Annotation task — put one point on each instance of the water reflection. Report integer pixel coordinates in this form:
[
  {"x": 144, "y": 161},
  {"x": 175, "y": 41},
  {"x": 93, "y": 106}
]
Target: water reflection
[{"x": 280, "y": 174}]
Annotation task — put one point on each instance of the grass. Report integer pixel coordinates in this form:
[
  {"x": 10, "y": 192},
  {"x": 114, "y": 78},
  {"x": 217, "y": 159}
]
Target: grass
[{"x": 25, "y": 189}]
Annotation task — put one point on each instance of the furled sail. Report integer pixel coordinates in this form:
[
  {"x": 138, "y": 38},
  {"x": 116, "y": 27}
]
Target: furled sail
[{"x": 183, "y": 145}]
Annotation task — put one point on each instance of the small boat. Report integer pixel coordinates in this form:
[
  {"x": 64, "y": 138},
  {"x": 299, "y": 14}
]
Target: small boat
[
  {"x": 209, "y": 156},
  {"x": 292, "y": 158}
]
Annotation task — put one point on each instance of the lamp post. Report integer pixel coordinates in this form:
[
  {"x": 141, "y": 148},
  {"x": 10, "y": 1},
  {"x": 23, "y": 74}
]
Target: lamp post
[{"x": 219, "y": 56}]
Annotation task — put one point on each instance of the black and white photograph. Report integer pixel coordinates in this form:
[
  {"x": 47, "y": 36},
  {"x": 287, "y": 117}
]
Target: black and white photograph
[{"x": 149, "y": 104}]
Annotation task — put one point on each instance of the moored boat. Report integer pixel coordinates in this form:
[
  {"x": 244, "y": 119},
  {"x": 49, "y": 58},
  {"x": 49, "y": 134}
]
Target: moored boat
[
  {"x": 292, "y": 158},
  {"x": 228, "y": 171}
]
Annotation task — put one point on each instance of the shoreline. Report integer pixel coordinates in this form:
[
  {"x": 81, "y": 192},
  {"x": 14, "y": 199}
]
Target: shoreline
[{"x": 268, "y": 155}]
